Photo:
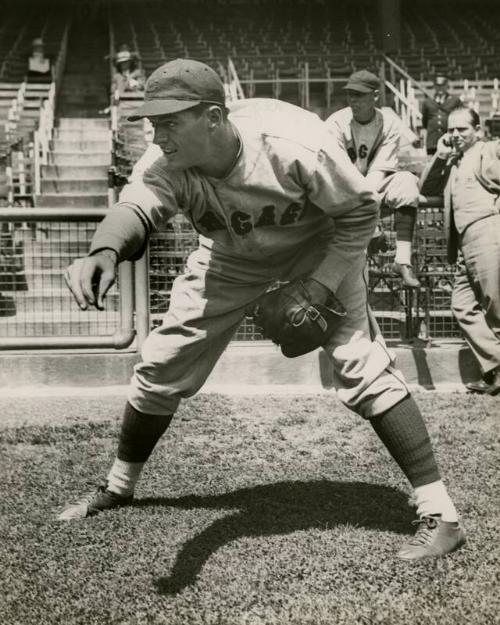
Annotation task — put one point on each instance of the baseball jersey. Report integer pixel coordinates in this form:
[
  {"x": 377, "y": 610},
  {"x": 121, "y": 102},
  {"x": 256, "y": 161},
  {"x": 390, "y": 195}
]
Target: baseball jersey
[
  {"x": 372, "y": 146},
  {"x": 289, "y": 181}
]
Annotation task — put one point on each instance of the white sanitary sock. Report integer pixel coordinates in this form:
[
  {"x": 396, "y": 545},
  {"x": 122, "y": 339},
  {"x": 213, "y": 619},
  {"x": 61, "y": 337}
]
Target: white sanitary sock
[
  {"x": 123, "y": 477},
  {"x": 434, "y": 499},
  {"x": 403, "y": 252}
]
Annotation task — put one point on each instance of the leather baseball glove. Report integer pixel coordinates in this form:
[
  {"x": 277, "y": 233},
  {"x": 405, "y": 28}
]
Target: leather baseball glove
[{"x": 299, "y": 316}]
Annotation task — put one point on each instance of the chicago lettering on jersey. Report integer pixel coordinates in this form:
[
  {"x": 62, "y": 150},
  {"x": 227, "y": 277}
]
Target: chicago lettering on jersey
[{"x": 242, "y": 224}]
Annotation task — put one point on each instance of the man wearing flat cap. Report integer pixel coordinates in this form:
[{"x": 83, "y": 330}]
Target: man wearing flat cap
[
  {"x": 371, "y": 137},
  {"x": 273, "y": 198}
]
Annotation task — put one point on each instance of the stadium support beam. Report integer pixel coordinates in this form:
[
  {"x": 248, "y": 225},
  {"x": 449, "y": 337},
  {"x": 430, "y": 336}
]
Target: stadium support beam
[{"x": 389, "y": 29}]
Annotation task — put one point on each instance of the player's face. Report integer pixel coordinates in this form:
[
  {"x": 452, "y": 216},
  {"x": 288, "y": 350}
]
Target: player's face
[
  {"x": 183, "y": 138},
  {"x": 362, "y": 104},
  {"x": 462, "y": 133}
]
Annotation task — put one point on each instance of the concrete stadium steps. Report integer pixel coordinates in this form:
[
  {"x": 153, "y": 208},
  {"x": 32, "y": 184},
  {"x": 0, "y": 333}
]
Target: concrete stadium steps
[
  {"x": 76, "y": 174},
  {"x": 82, "y": 123},
  {"x": 96, "y": 159},
  {"x": 47, "y": 281},
  {"x": 72, "y": 200},
  {"x": 82, "y": 134},
  {"x": 83, "y": 185},
  {"x": 48, "y": 260},
  {"x": 62, "y": 240},
  {"x": 80, "y": 144},
  {"x": 54, "y": 300},
  {"x": 74, "y": 323}
]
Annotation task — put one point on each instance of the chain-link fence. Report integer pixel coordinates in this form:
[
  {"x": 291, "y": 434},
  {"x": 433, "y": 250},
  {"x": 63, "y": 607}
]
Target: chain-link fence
[{"x": 34, "y": 300}]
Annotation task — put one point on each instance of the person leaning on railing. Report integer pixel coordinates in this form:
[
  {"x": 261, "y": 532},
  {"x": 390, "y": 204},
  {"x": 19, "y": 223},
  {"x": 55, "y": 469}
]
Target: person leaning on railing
[{"x": 467, "y": 171}]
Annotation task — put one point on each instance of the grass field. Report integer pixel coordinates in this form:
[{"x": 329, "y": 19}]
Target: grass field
[{"x": 252, "y": 511}]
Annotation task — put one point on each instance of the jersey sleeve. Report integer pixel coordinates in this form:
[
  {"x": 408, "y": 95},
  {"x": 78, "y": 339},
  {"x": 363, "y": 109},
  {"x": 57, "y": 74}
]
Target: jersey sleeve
[
  {"x": 341, "y": 191},
  {"x": 146, "y": 203},
  {"x": 334, "y": 127}
]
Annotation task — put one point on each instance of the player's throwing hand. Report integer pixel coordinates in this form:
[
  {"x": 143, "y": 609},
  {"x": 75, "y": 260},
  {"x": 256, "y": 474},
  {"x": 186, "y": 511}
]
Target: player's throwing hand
[{"x": 90, "y": 278}]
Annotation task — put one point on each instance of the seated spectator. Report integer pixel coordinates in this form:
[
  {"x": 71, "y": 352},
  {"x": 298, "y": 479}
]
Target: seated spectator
[
  {"x": 39, "y": 65},
  {"x": 128, "y": 76}
]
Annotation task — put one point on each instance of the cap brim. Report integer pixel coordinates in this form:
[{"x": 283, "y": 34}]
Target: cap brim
[
  {"x": 359, "y": 88},
  {"x": 161, "y": 107}
]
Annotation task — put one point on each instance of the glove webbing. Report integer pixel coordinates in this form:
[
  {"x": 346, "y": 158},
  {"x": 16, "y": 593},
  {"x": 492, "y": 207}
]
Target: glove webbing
[{"x": 309, "y": 311}]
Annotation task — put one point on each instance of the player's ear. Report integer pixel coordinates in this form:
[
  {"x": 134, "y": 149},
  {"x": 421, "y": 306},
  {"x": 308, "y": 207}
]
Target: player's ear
[
  {"x": 215, "y": 116},
  {"x": 375, "y": 95}
]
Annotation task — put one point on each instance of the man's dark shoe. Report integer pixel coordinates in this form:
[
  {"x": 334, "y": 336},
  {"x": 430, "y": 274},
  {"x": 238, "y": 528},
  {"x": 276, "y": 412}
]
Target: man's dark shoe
[
  {"x": 434, "y": 538},
  {"x": 495, "y": 383},
  {"x": 406, "y": 273},
  {"x": 92, "y": 503},
  {"x": 489, "y": 384},
  {"x": 478, "y": 386}
]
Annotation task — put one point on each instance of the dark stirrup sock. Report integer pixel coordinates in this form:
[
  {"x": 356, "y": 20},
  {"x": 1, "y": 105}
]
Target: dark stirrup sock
[
  {"x": 404, "y": 433},
  {"x": 404, "y": 222},
  {"x": 139, "y": 434}
]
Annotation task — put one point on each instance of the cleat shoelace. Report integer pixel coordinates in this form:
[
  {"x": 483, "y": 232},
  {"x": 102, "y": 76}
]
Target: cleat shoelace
[
  {"x": 88, "y": 497},
  {"x": 423, "y": 535}
]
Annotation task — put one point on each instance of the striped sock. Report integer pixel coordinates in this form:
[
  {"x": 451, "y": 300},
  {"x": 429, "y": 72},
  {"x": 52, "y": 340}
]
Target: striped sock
[{"x": 403, "y": 432}]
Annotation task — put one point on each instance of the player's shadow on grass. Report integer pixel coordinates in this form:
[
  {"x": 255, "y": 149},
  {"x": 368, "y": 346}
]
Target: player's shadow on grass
[{"x": 281, "y": 508}]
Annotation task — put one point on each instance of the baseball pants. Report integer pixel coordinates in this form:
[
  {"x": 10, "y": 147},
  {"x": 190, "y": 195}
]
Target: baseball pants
[
  {"x": 475, "y": 300},
  {"x": 399, "y": 189},
  {"x": 207, "y": 306}
]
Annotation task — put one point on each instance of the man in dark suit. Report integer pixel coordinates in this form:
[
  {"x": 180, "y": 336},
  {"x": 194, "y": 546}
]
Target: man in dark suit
[{"x": 435, "y": 112}]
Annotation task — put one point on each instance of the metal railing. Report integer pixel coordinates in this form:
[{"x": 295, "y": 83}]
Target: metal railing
[
  {"x": 45, "y": 128},
  {"x": 403, "y": 88},
  {"x": 234, "y": 90},
  {"x": 43, "y": 279}
]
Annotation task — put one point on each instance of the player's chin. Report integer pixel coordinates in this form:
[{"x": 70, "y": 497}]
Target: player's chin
[{"x": 175, "y": 161}]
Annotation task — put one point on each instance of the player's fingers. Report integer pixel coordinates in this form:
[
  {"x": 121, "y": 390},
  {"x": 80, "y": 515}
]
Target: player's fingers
[
  {"x": 105, "y": 283},
  {"x": 88, "y": 278},
  {"x": 72, "y": 277}
]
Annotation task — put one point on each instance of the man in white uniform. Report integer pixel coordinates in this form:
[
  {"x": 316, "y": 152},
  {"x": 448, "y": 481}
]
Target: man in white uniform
[
  {"x": 273, "y": 197},
  {"x": 371, "y": 136}
]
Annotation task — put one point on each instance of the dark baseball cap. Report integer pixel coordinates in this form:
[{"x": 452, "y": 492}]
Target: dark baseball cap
[
  {"x": 363, "y": 81},
  {"x": 179, "y": 85}
]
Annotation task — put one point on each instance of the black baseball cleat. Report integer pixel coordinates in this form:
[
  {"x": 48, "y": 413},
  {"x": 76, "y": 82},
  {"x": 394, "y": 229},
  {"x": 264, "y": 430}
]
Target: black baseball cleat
[
  {"x": 434, "y": 538},
  {"x": 406, "y": 273},
  {"x": 92, "y": 503}
]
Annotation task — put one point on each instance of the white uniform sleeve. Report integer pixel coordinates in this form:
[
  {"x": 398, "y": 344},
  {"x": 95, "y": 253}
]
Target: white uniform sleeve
[
  {"x": 341, "y": 191},
  {"x": 334, "y": 126},
  {"x": 145, "y": 204}
]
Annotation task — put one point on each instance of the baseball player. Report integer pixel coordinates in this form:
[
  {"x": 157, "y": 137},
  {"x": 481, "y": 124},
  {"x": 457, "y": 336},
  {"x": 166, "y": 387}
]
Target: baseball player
[
  {"x": 273, "y": 198},
  {"x": 371, "y": 136}
]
